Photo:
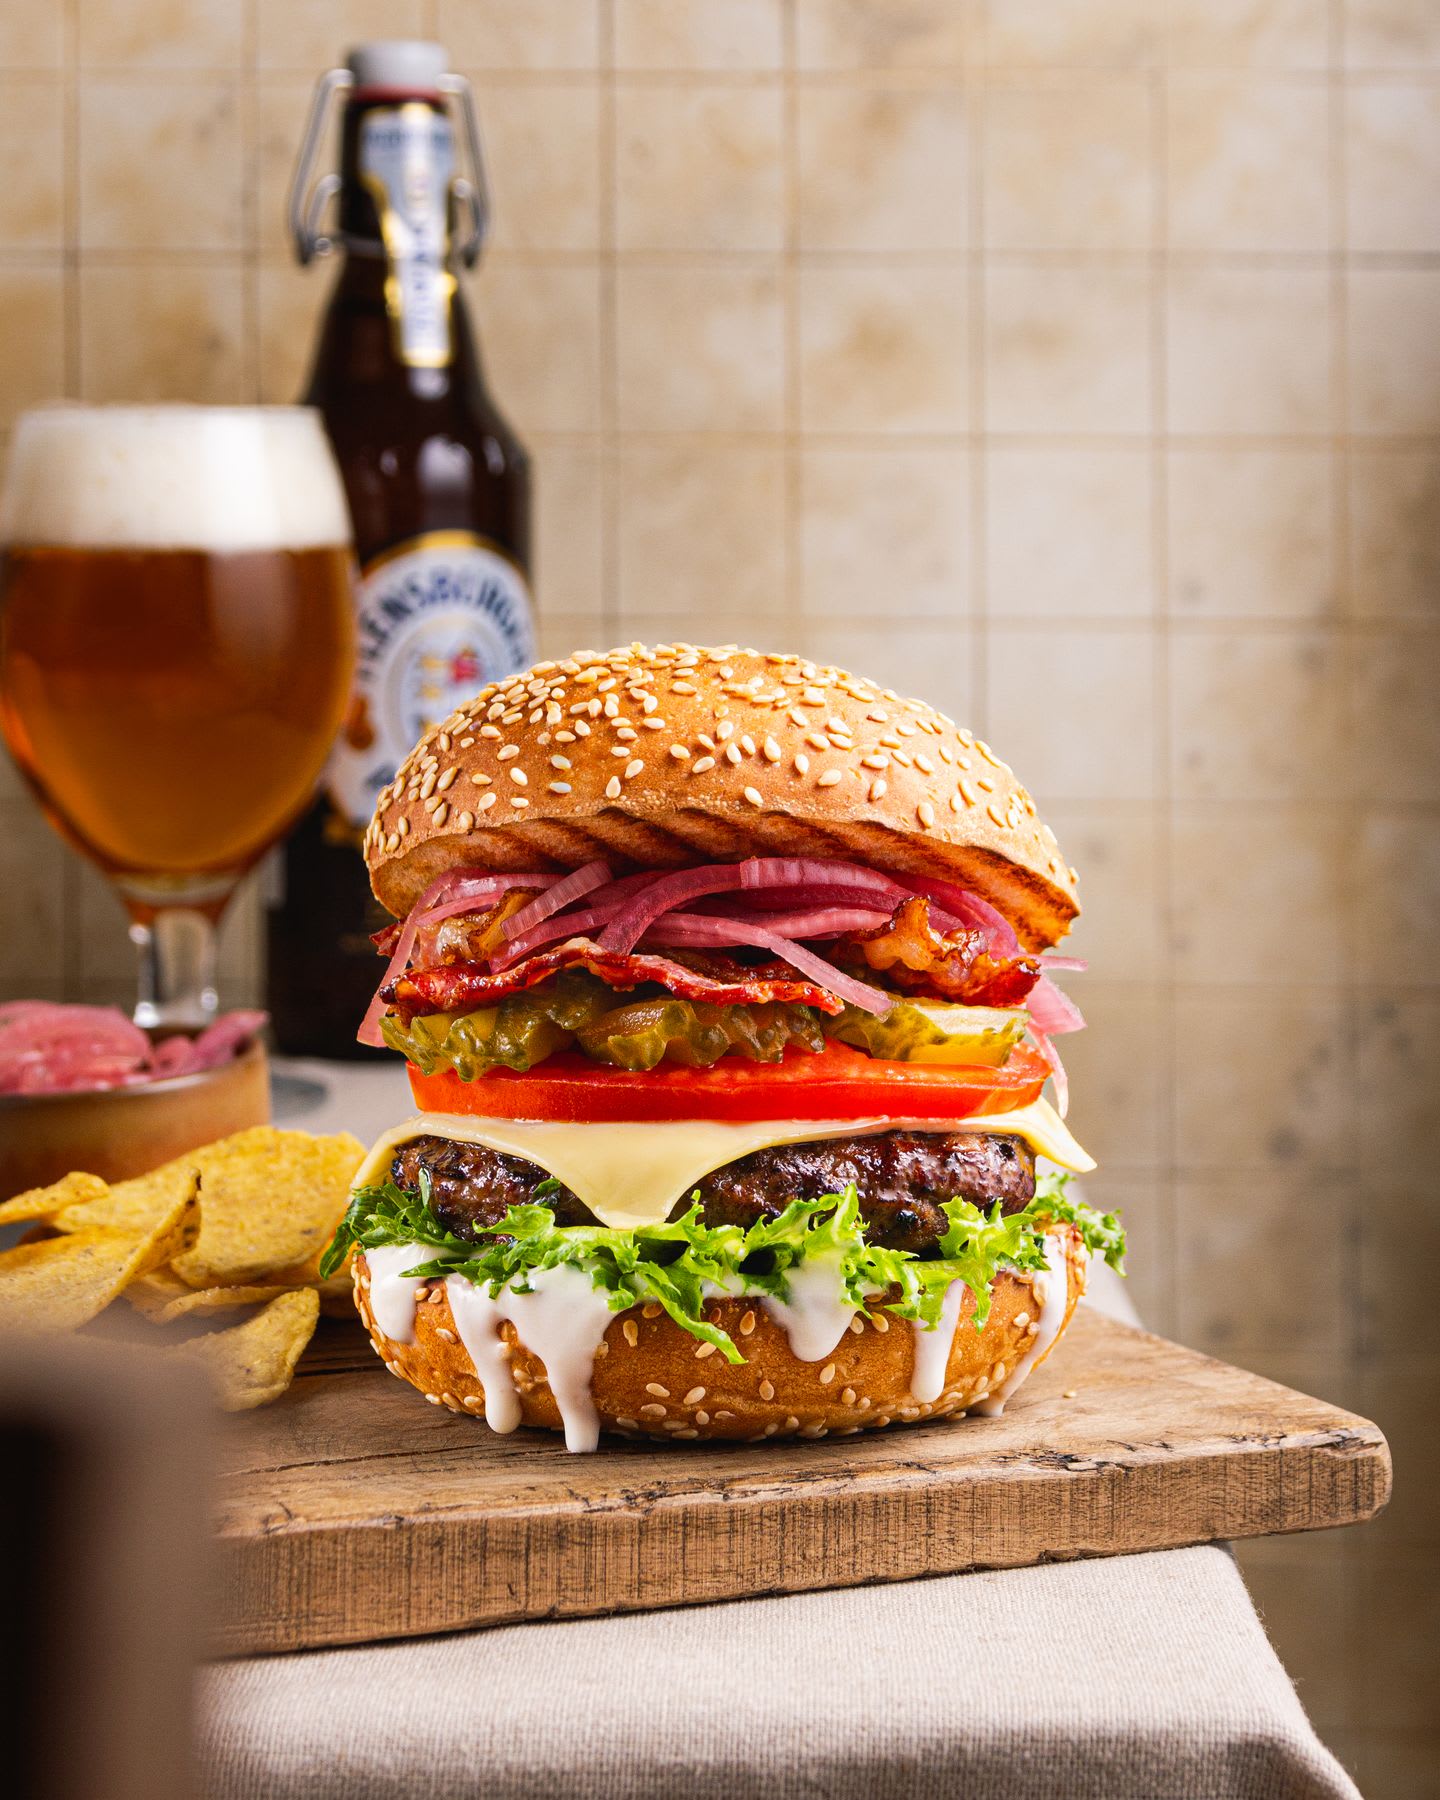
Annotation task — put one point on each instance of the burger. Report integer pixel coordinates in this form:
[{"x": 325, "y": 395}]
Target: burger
[{"x": 724, "y": 985}]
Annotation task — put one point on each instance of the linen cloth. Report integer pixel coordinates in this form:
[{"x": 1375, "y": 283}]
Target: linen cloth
[{"x": 1145, "y": 1676}]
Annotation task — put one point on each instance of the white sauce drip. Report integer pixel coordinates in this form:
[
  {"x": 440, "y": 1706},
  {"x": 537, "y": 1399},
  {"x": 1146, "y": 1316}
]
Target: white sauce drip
[
  {"x": 477, "y": 1324},
  {"x": 817, "y": 1314},
  {"x": 561, "y": 1321},
  {"x": 933, "y": 1344},
  {"x": 392, "y": 1295},
  {"x": 1051, "y": 1291}
]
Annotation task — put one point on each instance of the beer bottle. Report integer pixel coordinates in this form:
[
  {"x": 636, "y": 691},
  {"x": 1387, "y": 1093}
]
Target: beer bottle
[{"x": 439, "y": 494}]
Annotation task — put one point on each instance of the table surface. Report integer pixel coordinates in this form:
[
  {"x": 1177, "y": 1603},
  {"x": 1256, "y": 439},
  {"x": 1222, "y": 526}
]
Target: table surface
[{"x": 1136, "y": 1675}]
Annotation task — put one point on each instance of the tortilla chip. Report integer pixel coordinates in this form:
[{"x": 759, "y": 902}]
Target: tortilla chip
[
  {"x": 252, "y": 1364},
  {"x": 44, "y": 1203},
  {"x": 268, "y": 1200},
  {"x": 135, "y": 1205},
  {"x": 61, "y": 1282},
  {"x": 151, "y": 1294},
  {"x": 184, "y": 1301}
]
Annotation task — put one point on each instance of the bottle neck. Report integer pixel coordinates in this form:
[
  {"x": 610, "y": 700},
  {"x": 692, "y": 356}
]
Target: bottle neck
[{"x": 397, "y": 164}]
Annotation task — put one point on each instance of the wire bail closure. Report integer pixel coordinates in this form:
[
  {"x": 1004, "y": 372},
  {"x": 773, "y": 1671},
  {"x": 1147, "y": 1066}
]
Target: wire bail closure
[{"x": 310, "y": 195}]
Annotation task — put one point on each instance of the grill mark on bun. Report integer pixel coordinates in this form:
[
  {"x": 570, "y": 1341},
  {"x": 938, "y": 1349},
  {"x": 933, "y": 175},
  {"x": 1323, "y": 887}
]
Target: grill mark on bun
[{"x": 680, "y": 754}]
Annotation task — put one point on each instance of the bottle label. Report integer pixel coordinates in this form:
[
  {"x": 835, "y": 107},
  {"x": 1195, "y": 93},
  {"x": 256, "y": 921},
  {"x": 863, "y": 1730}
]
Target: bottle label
[
  {"x": 438, "y": 617},
  {"x": 407, "y": 157}
]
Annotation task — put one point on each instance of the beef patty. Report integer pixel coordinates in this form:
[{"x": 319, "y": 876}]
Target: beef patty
[{"x": 901, "y": 1177}]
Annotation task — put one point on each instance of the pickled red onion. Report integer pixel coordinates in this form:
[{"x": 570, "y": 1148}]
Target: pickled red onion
[
  {"x": 696, "y": 929},
  {"x": 427, "y": 910},
  {"x": 590, "y": 875}
]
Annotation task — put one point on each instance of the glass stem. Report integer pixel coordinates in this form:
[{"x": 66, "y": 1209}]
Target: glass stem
[{"x": 177, "y": 969}]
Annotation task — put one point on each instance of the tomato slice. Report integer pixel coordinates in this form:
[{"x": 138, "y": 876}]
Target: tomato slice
[{"x": 836, "y": 1083}]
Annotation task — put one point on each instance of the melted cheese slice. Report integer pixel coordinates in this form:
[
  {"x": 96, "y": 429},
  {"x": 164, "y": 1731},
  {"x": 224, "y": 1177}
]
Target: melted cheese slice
[{"x": 633, "y": 1174}]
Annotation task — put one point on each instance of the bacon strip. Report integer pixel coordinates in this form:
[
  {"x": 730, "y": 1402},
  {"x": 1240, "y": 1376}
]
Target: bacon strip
[
  {"x": 953, "y": 965},
  {"x": 463, "y": 986}
]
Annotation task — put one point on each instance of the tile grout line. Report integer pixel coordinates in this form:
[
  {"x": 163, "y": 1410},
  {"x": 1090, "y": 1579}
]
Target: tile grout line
[
  {"x": 1163, "y": 814},
  {"x": 610, "y": 501},
  {"x": 978, "y": 599},
  {"x": 792, "y": 424},
  {"x": 1350, "y": 906},
  {"x": 248, "y": 99},
  {"x": 71, "y": 932}
]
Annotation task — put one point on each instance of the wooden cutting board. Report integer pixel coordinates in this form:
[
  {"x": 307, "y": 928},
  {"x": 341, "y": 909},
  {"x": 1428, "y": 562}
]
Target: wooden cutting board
[{"x": 352, "y": 1511}]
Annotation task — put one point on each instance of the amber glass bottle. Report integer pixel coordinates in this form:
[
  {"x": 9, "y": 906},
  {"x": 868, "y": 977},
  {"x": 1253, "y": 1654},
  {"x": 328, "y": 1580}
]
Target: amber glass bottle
[{"x": 439, "y": 494}]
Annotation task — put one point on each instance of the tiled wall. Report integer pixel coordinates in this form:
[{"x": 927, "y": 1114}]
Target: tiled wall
[{"x": 1075, "y": 363}]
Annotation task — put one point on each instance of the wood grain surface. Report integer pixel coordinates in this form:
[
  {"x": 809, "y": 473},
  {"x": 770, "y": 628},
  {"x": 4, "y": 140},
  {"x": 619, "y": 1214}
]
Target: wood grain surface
[{"x": 352, "y": 1511}]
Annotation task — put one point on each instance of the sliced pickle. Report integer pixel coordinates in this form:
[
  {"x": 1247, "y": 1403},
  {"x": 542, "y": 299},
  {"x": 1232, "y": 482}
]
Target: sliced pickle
[
  {"x": 516, "y": 1034},
  {"x": 696, "y": 1033},
  {"x": 920, "y": 1031}
]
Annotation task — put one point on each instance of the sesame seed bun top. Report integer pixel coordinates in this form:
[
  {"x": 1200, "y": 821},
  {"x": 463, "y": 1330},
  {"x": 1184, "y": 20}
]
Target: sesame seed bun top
[{"x": 669, "y": 757}]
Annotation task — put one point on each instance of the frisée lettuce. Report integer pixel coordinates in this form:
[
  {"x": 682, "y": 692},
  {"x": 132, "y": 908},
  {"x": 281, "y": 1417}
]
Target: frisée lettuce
[{"x": 685, "y": 1262}]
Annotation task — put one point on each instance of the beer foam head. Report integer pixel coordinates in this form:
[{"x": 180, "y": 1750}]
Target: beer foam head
[{"x": 216, "y": 478}]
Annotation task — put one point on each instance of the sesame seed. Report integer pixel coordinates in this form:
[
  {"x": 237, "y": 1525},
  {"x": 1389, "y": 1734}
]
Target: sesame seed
[
  {"x": 651, "y": 1411},
  {"x": 998, "y": 1372},
  {"x": 747, "y": 744},
  {"x": 519, "y": 777},
  {"x": 857, "y": 1324},
  {"x": 652, "y": 1309},
  {"x": 564, "y": 737},
  {"x": 847, "y": 1396},
  {"x": 767, "y": 1390},
  {"x": 724, "y": 729},
  {"x": 878, "y": 787},
  {"x": 1069, "y": 1393},
  {"x": 519, "y": 800},
  {"x": 465, "y": 820},
  {"x": 772, "y": 750},
  {"x": 508, "y": 751},
  {"x": 612, "y": 788},
  {"x": 732, "y": 753},
  {"x": 880, "y": 1322},
  {"x": 827, "y": 1374},
  {"x": 926, "y": 814},
  {"x": 747, "y": 1324},
  {"x": 791, "y": 1423},
  {"x": 626, "y": 734},
  {"x": 679, "y": 750},
  {"x": 632, "y": 1333},
  {"x": 480, "y": 781},
  {"x": 704, "y": 1350},
  {"x": 702, "y": 764},
  {"x": 802, "y": 764},
  {"x": 490, "y": 731},
  {"x": 754, "y": 796},
  {"x": 560, "y": 762},
  {"x": 694, "y": 1397},
  {"x": 485, "y": 802},
  {"x": 442, "y": 813},
  {"x": 582, "y": 728},
  {"x": 702, "y": 1418},
  {"x": 878, "y": 761},
  {"x": 633, "y": 768},
  {"x": 1021, "y": 1320},
  {"x": 654, "y": 1387},
  {"x": 830, "y": 778},
  {"x": 682, "y": 687},
  {"x": 402, "y": 828},
  {"x": 447, "y": 1336},
  {"x": 559, "y": 787}
]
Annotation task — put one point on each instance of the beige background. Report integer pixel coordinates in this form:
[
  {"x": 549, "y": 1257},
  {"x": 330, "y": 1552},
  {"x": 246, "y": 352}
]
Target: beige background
[{"x": 1075, "y": 363}]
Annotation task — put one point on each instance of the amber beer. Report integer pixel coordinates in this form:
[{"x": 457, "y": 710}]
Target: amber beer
[
  {"x": 439, "y": 494},
  {"x": 176, "y": 634}
]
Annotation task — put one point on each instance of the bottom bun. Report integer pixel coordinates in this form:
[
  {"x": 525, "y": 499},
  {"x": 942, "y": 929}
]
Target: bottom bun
[{"x": 651, "y": 1378}]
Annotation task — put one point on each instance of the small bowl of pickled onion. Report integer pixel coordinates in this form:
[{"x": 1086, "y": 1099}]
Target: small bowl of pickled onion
[{"x": 83, "y": 1087}]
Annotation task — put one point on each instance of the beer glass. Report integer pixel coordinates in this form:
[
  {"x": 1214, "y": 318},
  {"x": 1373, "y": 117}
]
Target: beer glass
[{"x": 176, "y": 652}]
